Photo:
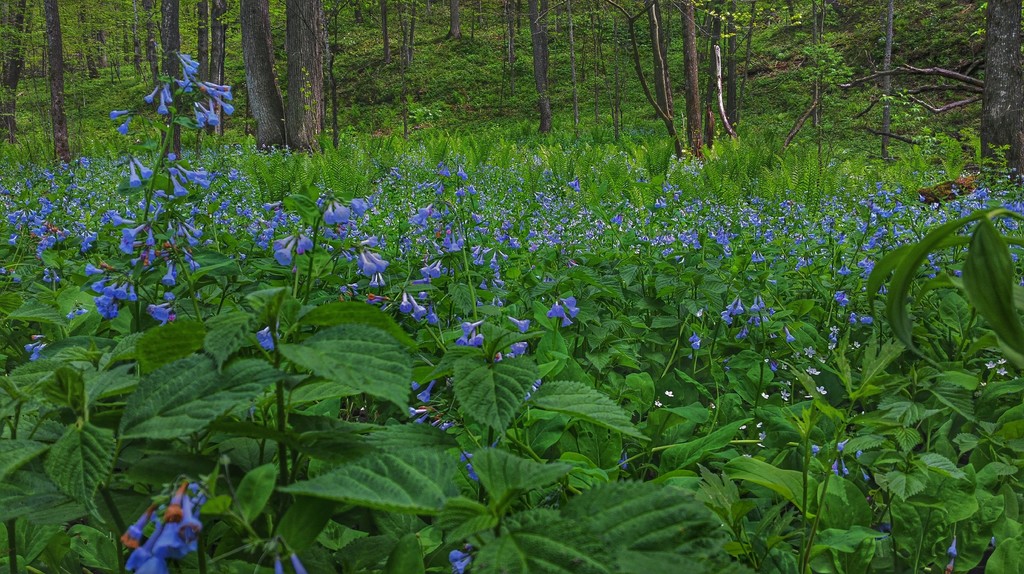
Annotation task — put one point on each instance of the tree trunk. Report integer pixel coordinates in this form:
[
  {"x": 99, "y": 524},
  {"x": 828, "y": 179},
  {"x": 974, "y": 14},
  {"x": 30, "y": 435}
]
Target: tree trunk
[
  {"x": 454, "y": 30},
  {"x": 151, "y": 51},
  {"x": 510, "y": 47},
  {"x": 1002, "y": 116},
  {"x": 203, "y": 38},
  {"x": 331, "y": 47},
  {"x": 384, "y": 30},
  {"x": 691, "y": 67},
  {"x": 55, "y": 47},
  {"x": 88, "y": 48},
  {"x": 304, "y": 111},
  {"x": 170, "y": 40},
  {"x": 539, "y": 34},
  {"x": 572, "y": 67},
  {"x": 136, "y": 42},
  {"x": 218, "y": 31},
  {"x": 709, "y": 126},
  {"x": 659, "y": 53},
  {"x": 11, "y": 66},
  {"x": 264, "y": 99},
  {"x": 887, "y": 82},
  {"x": 730, "y": 65}
]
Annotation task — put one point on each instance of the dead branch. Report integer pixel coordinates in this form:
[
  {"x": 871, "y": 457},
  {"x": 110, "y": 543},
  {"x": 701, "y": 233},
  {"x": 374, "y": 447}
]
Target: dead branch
[
  {"x": 947, "y": 107},
  {"x": 905, "y": 139},
  {"x": 871, "y": 106},
  {"x": 721, "y": 103},
  {"x": 941, "y": 72},
  {"x": 799, "y": 124}
]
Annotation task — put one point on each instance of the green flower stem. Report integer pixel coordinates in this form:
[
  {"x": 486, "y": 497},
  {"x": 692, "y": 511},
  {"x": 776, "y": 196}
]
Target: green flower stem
[{"x": 12, "y": 545}]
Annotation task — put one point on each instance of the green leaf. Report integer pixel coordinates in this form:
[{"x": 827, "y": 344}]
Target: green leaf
[
  {"x": 34, "y": 495},
  {"x": 584, "y": 402},
  {"x": 358, "y": 359},
  {"x": 304, "y": 521},
  {"x": 406, "y": 557},
  {"x": 989, "y": 278},
  {"x": 227, "y": 334},
  {"x": 937, "y": 462},
  {"x": 14, "y": 453},
  {"x": 539, "y": 541},
  {"x": 352, "y": 313},
  {"x": 462, "y": 518},
  {"x": 904, "y": 485},
  {"x": 691, "y": 452},
  {"x": 254, "y": 491},
  {"x": 845, "y": 540},
  {"x": 35, "y": 312},
  {"x": 417, "y": 482},
  {"x": 646, "y": 517},
  {"x": 1008, "y": 557},
  {"x": 491, "y": 393},
  {"x": 183, "y": 397},
  {"x": 167, "y": 343},
  {"x": 304, "y": 207},
  {"x": 81, "y": 460},
  {"x": 787, "y": 483},
  {"x": 409, "y": 437},
  {"x": 505, "y": 475},
  {"x": 95, "y": 548}
]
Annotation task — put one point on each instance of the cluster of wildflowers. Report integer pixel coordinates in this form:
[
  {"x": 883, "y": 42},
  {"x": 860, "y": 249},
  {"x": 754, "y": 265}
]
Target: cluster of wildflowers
[
  {"x": 297, "y": 565},
  {"x": 564, "y": 309},
  {"x": 170, "y": 535}
]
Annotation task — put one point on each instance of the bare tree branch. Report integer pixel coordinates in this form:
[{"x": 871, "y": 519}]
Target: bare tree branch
[
  {"x": 947, "y": 107},
  {"x": 799, "y": 124},
  {"x": 941, "y": 72},
  {"x": 905, "y": 139}
]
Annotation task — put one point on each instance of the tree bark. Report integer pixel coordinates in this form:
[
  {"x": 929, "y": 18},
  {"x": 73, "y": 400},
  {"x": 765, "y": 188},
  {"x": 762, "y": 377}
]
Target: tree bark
[
  {"x": 304, "y": 111},
  {"x": 55, "y": 47},
  {"x": 1002, "y": 116},
  {"x": 11, "y": 67},
  {"x": 203, "y": 38},
  {"x": 454, "y": 29},
  {"x": 384, "y": 30},
  {"x": 265, "y": 101},
  {"x": 691, "y": 77},
  {"x": 218, "y": 33},
  {"x": 659, "y": 57},
  {"x": 151, "y": 50},
  {"x": 572, "y": 67},
  {"x": 170, "y": 40},
  {"x": 887, "y": 80},
  {"x": 539, "y": 35},
  {"x": 136, "y": 43}
]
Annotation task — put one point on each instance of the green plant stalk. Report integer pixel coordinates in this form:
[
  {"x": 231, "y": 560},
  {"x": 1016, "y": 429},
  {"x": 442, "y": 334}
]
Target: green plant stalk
[
  {"x": 12, "y": 545},
  {"x": 309, "y": 268}
]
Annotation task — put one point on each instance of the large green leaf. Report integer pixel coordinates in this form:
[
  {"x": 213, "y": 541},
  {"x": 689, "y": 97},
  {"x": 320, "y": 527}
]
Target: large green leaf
[
  {"x": 303, "y": 522},
  {"x": 254, "y": 491},
  {"x": 81, "y": 460},
  {"x": 505, "y": 475},
  {"x": 34, "y": 496},
  {"x": 36, "y": 312},
  {"x": 584, "y": 402},
  {"x": 491, "y": 393},
  {"x": 683, "y": 455},
  {"x": 645, "y": 517},
  {"x": 183, "y": 397},
  {"x": 352, "y": 313},
  {"x": 227, "y": 334},
  {"x": 14, "y": 453},
  {"x": 416, "y": 482},
  {"x": 541, "y": 542},
  {"x": 989, "y": 278},
  {"x": 167, "y": 343},
  {"x": 358, "y": 359},
  {"x": 462, "y": 518},
  {"x": 788, "y": 483},
  {"x": 1008, "y": 557}
]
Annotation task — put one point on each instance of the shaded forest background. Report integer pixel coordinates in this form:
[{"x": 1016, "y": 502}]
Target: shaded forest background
[{"x": 475, "y": 75}]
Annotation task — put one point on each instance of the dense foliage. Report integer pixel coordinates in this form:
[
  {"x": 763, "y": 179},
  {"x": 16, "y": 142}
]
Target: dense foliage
[{"x": 479, "y": 359}]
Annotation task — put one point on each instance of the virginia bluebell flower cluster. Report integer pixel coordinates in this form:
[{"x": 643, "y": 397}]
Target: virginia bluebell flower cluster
[{"x": 168, "y": 536}]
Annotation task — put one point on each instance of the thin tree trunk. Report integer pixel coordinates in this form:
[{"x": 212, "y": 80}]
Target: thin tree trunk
[
  {"x": 55, "y": 47},
  {"x": 384, "y": 30},
  {"x": 510, "y": 50},
  {"x": 454, "y": 30},
  {"x": 304, "y": 40},
  {"x": 595, "y": 24},
  {"x": 151, "y": 48},
  {"x": 170, "y": 40},
  {"x": 887, "y": 81},
  {"x": 203, "y": 38},
  {"x": 539, "y": 36},
  {"x": 11, "y": 67},
  {"x": 265, "y": 103},
  {"x": 730, "y": 65},
  {"x": 1002, "y": 116},
  {"x": 136, "y": 42},
  {"x": 218, "y": 33},
  {"x": 617, "y": 87},
  {"x": 690, "y": 69},
  {"x": 331, "y": 75},
  {"x": 572, "y": 66},
  {"x": 88, "y": 49},
  {"x": 746, "y": 59},
  {"x": 709, "y": 126}
]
